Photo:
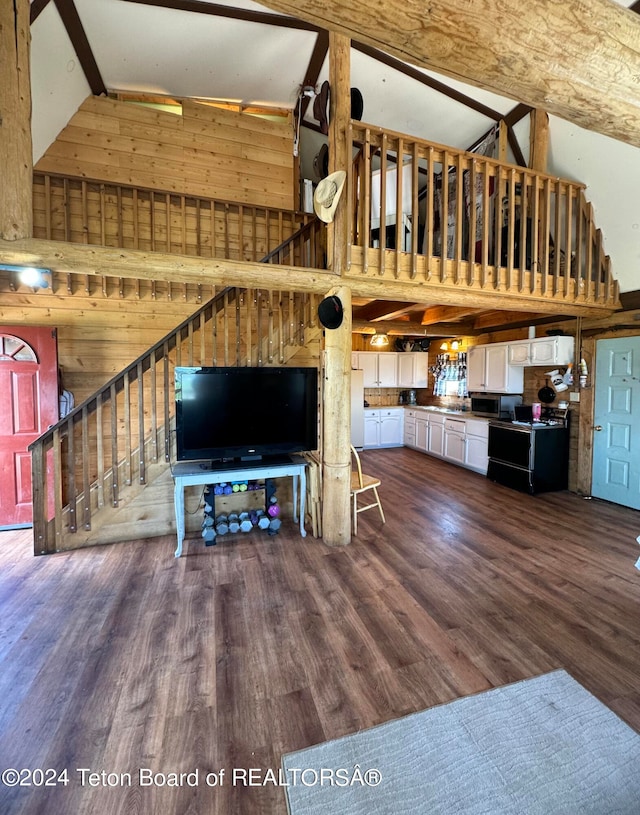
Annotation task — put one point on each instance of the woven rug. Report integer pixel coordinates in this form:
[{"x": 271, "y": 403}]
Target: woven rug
[{"x": 544, "y": 746}]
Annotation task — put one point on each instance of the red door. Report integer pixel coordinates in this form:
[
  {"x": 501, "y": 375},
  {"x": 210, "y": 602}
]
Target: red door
[{"x": 28, "y": 406}]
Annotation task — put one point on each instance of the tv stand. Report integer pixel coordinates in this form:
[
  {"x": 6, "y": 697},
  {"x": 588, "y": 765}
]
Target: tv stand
[{"x": 191, "y": 473}]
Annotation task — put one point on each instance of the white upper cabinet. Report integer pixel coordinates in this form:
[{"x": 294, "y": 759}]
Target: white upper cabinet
[
  {"x": 412, "y": 369},
  {"x": 542, "y": 351},
  {"x": 380, "y": 369},
  {"x": 387, "y": 370},
  {"x": 489, "y": 371}
]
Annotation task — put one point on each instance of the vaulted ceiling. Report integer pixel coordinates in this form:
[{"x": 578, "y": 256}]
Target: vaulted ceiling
[{"x": 246, "y": 53}]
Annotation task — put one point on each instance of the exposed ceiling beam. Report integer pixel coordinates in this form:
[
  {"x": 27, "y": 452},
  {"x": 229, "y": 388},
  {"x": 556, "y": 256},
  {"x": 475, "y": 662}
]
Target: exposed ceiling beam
[
  {"x": 445, "y": 314},
  {"x": 36, "y": 9},
  {"x": 497, "y": 320},
  {"x": 71, "y": 21},
  {"x": 403, "y": 329},
  {"x": 381, "y": 309},
  {"x": 202, "y": 7},
  {"x": 318, "y": 56},
  {"x": 413, "y": 73},
  {"x": 582, "y": 67}
]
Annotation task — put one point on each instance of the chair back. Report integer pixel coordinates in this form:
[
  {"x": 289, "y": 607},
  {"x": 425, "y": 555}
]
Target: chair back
[{"x": 355, "y": 455}]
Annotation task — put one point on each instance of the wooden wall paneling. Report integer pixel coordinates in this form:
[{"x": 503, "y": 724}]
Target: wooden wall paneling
[{"x": 233, "y": 156}]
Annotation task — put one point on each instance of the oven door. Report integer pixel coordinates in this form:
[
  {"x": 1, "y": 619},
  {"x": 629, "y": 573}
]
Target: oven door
[{"x": 511, "y": 445}]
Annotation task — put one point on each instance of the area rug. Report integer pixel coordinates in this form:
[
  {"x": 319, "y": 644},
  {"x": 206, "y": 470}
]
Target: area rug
[{"x": 543, "y": 746}]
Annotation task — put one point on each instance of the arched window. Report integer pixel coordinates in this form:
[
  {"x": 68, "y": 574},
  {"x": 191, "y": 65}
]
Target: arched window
[{"x": 13, "y": 348}]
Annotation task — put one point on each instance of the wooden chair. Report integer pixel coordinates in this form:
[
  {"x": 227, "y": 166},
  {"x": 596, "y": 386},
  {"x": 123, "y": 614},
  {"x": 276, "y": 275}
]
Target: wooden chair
[{"x": 360, "y": 483}]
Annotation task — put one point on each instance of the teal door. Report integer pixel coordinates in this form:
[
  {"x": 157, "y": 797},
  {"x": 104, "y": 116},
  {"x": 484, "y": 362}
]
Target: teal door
[{"x": 616, "y": 422}]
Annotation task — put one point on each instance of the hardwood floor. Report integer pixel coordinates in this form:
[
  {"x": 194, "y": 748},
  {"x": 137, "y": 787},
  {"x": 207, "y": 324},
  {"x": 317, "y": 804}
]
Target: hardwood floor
[{"x": 120, "y": 658}]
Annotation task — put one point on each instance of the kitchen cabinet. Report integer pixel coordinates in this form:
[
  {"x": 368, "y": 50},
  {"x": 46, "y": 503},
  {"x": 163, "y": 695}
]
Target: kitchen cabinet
[
  {"x": 476, "y": 453},
  {"x": 383, "y": 427},
  {"x": 489, "y": 371},
  {"x": 412, "y": 369},
  {"x": 454, "y": 440},
  {"x": 436, "y": 434},
  {"x": 542, "y": 351},
  {"x": 422, "y": 433},
  {"x": 409, "y": 434},
  {"x": 461, "y": 441},
  {"x": 380, "y": 369}
]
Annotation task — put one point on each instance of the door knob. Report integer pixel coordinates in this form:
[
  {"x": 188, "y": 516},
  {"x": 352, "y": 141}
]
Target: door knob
[{"x": 598, "y": 427}]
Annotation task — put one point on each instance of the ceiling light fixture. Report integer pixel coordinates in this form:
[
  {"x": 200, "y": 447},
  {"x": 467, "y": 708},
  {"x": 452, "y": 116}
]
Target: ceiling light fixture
[
  {"x": 379, "y": 340},
  {"x": 444, "y": 346},
  {"x": 30, "y": 275}
]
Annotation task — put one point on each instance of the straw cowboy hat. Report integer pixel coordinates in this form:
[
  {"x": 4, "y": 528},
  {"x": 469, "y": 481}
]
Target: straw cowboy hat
[{"x": 327, "y": 195}]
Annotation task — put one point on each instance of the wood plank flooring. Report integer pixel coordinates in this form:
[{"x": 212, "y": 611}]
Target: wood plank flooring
[{"x": 120, "y": 658}]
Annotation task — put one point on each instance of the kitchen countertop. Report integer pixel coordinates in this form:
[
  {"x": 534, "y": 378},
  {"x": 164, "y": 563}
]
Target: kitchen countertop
[{"x": 430, "y": 409}]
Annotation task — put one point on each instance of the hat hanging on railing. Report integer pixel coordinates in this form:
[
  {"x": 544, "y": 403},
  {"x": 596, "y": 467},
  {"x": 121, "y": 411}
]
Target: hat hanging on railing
[
  {"x": 357, "y": 104},
  {"x": 330, "y": 312},
  {"x": 327, "y": 195}
]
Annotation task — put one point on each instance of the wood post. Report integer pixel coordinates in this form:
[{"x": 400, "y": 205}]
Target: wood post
[
  {"x": 16, "y": 158},
  {"x": 336, "y": 469},
  {"x": 336, "y": 479},
  {"x": 539, "y": 140}
]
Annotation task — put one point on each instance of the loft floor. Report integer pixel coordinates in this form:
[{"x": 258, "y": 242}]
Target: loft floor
[{"x": 119, "y": 657}]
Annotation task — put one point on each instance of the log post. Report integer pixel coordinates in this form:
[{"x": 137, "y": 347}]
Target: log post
[
  {"x": 16, "y": 158},
  {"x": 539, "y": 140},
  {"x": 336, "y": 507}
]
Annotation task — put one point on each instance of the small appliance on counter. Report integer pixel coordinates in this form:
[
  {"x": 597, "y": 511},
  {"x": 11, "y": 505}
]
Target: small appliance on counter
[
  {"x": 407, "y": 397},
  {"x": 495, "y": 405}
]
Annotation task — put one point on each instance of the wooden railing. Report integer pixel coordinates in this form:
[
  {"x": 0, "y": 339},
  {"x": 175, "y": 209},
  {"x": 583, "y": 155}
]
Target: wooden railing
[
  {"x": 122, "y": 433},
  {"x": 470, "y": 221},
  {"x": 103, "y": 214}
]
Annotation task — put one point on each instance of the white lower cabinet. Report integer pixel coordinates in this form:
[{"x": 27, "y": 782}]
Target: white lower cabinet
[
  {"x": 460, "y": 441},
  {"x": 436, "y": 435},
  {"x": 422, "y": 433},
  {"x": 383, "y": 427},
  {"x": 454, "y": 438},
  {"x": 476, "y": 454},
  {"x": 409, "y": 428}
]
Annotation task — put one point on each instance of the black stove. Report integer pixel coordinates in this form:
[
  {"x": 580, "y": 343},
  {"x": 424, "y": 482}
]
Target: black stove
[{"x": 531, "y": 456}]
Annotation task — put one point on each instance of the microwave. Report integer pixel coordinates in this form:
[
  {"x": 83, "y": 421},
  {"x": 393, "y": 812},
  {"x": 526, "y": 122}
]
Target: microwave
[{"x": 495, "y": 405}]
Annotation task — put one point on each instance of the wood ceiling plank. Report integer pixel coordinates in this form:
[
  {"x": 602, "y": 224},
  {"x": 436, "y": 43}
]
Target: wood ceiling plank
[{"x": 582, "y": 67}]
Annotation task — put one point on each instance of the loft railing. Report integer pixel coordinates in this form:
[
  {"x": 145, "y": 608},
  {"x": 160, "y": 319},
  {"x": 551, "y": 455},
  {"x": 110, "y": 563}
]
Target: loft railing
[
  {"x": 472, "y": 222},
  {"x": 104, "y": 214},
  {"x": 122, "y": 433}
]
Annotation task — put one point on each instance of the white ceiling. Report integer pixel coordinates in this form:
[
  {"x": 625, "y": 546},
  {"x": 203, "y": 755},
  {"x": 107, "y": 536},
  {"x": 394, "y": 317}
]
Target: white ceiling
[{"x": 149, "y": 49}]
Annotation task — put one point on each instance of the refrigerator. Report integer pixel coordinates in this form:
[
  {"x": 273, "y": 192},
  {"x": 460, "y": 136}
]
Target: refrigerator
[{"x": 357, "y": 408}]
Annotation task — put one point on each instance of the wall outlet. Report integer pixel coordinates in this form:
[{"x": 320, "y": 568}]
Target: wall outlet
[{"x": 574, "y": 396}]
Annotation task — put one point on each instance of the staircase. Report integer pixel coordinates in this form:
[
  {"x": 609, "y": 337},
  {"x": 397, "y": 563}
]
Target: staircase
[{"x": 102, "y": 475}]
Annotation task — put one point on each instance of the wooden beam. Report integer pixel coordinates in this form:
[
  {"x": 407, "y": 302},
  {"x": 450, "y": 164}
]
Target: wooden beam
[
  {"x": 336, "y": 452},
  {"x": 402, "y": 329},
  {"x": 247, "y": 15},
  {"x": 382, "y": 309},
  {"x": 71, "y": 21},
  {"x": 539, "y": 140},
  {"x": 502, "y": 320},
  {"x": 582, "y": 67},
  {"x": 443, "y": 314},
  {"x": 36, "y": 9},
  {"x": 136, "y": 264},
  {"x": 16, "y": 163},
  {"x": 316, "y": 62}
]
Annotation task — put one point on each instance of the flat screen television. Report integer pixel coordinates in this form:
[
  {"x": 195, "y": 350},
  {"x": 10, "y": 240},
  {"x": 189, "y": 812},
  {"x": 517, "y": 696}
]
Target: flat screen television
[{"x": 245, "y": 414}]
